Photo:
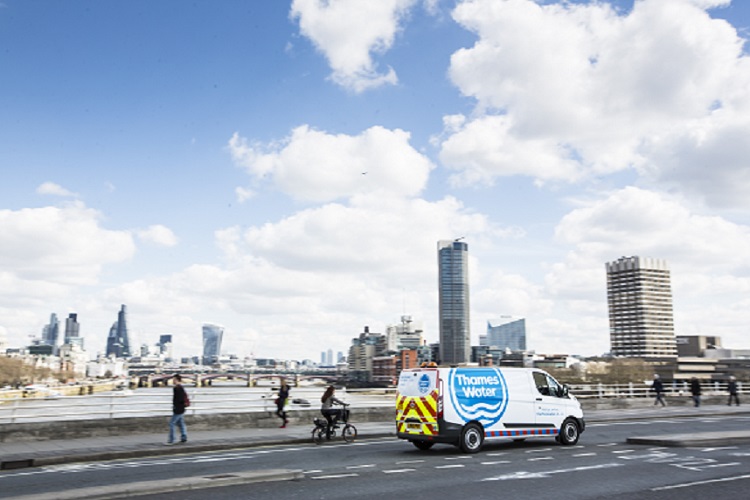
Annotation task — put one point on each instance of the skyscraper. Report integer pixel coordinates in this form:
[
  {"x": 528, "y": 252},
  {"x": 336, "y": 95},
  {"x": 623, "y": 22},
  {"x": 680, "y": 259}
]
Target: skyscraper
[
  {"x": 118, "y": 342},
  {"x": 507, "y": 333},
  {"x": 165, "y": 345},
  {"x": 212, "y": 336},
  {"x": 51, "y": 333},
  {"x": 72, "y": 330},
  {"x": 639, "y": 294},
  {"x": 453, "y": 296}
]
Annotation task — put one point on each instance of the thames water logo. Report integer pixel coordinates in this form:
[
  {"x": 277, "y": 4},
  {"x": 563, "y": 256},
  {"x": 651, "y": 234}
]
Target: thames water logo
[
  {"x": 424, "y": 384},
  {"x": 479, "y": 394}
]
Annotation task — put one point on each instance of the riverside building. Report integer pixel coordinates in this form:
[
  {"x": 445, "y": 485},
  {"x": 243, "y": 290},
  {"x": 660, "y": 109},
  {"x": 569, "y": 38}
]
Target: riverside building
[{"x": 639, "y": 295}]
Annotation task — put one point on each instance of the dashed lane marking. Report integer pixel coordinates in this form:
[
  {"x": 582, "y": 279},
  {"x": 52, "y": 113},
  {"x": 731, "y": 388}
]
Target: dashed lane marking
[
  {"x": 546, "y": 474},
  {"x": 452, "y": 466},
  {"x": 585, "y": 455},
  {"x": 496, "y": 462},
  {"x": 410, "y": 462},
  {"x": 364, "y": 466},
  {"x": 539, "y": 459},
  {"x": 398, "y": 471},
  {"x": 335, "y": 476}
]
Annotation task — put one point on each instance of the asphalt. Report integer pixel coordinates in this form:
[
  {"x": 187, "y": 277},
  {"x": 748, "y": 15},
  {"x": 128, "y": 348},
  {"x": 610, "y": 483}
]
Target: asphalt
[{"x": 53, "y": 452}]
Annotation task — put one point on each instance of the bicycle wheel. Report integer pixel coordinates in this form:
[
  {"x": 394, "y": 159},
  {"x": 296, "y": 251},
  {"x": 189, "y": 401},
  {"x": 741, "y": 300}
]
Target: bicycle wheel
[
  {"x": 349, "y": 433},
  {"x": 318, "y": 435}
]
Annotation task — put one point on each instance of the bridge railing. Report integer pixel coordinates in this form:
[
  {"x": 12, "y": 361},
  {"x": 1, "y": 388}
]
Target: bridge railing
[
  {"x": 150, "y": 404},
  {"x": 240, "y": 400}
]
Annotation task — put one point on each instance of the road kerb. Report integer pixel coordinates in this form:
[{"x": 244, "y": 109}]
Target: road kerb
[{"x": 170, "y": 485}]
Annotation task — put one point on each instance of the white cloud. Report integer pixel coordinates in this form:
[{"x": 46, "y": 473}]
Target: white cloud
[
  {"x": 159, "y": 235},
  {"x": 316, "y": 166},
  {"x": 65, "y": 245},
  {"x": 51, "y": 188},
  {"x": 349, "y": 32},
  {"x": 243, "y": 194},
  {"x": 663, "y": 88}
]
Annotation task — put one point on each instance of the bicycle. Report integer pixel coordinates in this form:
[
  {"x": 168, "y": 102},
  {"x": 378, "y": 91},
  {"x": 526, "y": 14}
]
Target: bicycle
[{"x": 348, "y": 433}]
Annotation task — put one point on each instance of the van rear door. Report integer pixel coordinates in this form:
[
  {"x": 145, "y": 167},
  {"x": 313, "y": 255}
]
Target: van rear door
[{"x": 417, "y": 403}]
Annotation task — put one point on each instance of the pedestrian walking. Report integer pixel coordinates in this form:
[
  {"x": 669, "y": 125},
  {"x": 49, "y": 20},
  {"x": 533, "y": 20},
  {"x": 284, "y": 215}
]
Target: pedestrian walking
[
  {"x": 695, "y": 390},
  {"x": 179, "y": 402},
  {"x": 281, "y": 399},
  {"x": 732, "y": 388},
  {"x": 658, "y": 388}
]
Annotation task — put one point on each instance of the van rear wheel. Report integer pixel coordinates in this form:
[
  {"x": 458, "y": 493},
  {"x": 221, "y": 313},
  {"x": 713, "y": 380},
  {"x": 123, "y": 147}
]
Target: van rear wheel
[
  {"x": 569, "y": 432},
  {"x": 472, "y": 438},
  {"x": 423, "y": 445}
]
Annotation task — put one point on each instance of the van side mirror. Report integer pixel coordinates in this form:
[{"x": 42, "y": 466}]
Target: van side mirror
[{"x": 565, "y": 391}]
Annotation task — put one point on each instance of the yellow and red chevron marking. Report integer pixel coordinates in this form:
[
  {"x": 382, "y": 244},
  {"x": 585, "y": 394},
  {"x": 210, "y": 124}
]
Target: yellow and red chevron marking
[{"x": 422, "y": 408}]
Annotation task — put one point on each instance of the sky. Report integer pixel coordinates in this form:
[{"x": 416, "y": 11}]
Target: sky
[{"x": 285, "y": 169}]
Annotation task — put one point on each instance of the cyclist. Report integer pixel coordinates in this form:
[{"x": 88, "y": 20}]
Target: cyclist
[{"x": 331, "y": 414}]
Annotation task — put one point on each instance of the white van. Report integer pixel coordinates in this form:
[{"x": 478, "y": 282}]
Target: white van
[{"x": 464, "y": 406}]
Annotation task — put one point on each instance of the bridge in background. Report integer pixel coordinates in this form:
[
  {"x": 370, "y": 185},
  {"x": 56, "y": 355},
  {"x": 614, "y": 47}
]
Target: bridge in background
[{"x": 203, "y": 378}]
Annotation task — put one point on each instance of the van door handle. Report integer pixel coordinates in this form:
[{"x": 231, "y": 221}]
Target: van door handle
[{"x": 538, "y": 399}]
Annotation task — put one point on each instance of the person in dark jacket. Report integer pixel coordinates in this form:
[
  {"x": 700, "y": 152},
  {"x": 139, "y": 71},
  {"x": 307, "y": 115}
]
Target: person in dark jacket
[
  {"x": 695, "y": 390},
  {"x": 281, "y": 398},
  {"x": 732, "y": 388},
  {"x": 179, "y": 398},
  {"x": 658, "y": 388}
]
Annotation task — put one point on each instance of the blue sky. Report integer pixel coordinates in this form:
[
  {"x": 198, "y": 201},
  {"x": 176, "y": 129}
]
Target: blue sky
[{"x": 286, "y": 168}]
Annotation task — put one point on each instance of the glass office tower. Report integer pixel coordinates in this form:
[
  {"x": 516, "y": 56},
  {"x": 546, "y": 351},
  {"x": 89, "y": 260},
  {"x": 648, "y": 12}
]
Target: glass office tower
[
  {"x": 212, "y": 336},
  {"x": 118, "y": 341},
  {"x": 507, "y": 333},
  {"x": 639, "y": 294},
  {"x": 453, "y": 292},
  {"x": 72, "y": 330}
]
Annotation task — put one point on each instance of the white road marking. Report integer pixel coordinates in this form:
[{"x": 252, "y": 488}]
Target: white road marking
[
  {"x": 314, "y": 471},
  {"x": 453, "y": 466},
  {"x": 335, "y": 476},
  {"x": 585, "y": 455},
  {"x": 398, "y": 471},
  {"x": 410, "y": 462},
  {"x": 459, "y": 457},
  {"x": 365, "y": 466},
  {"x": 698, "y": 483},
  {"x": 539, "y": 450},
  {"x": 539, "y": 459},
  {"x": 718, "y": 448},
  {"x": 607, "y": 444},
  {"x": 545, "y": 474},
  {"x": 496, "y": 462},
  {"x": 622, "y": 451},
  {"x": 496, "y": 454}
]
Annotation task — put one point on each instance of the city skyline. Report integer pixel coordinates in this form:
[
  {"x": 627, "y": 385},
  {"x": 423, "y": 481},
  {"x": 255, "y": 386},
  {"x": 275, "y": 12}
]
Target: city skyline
[{"x": 284, "y": 168}]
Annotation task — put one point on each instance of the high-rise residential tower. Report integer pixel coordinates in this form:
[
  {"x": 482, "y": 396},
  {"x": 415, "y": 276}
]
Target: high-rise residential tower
[
  {"x": 118, "y": 342},
  {"x": 639, "y": 294},
  {"x": 212, "y": 336},
  {"x": 453, "y": 297},
  {"x": 506, "y": 333}
]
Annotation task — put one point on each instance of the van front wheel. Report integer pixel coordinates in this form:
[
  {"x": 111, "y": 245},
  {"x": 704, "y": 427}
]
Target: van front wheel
[
  {"x": 569, "y": 432},
  {"x": 472, "y": 438}
]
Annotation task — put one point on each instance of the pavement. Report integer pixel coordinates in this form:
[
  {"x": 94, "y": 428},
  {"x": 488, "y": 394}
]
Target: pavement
[{"x": 52, "y": 452}]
